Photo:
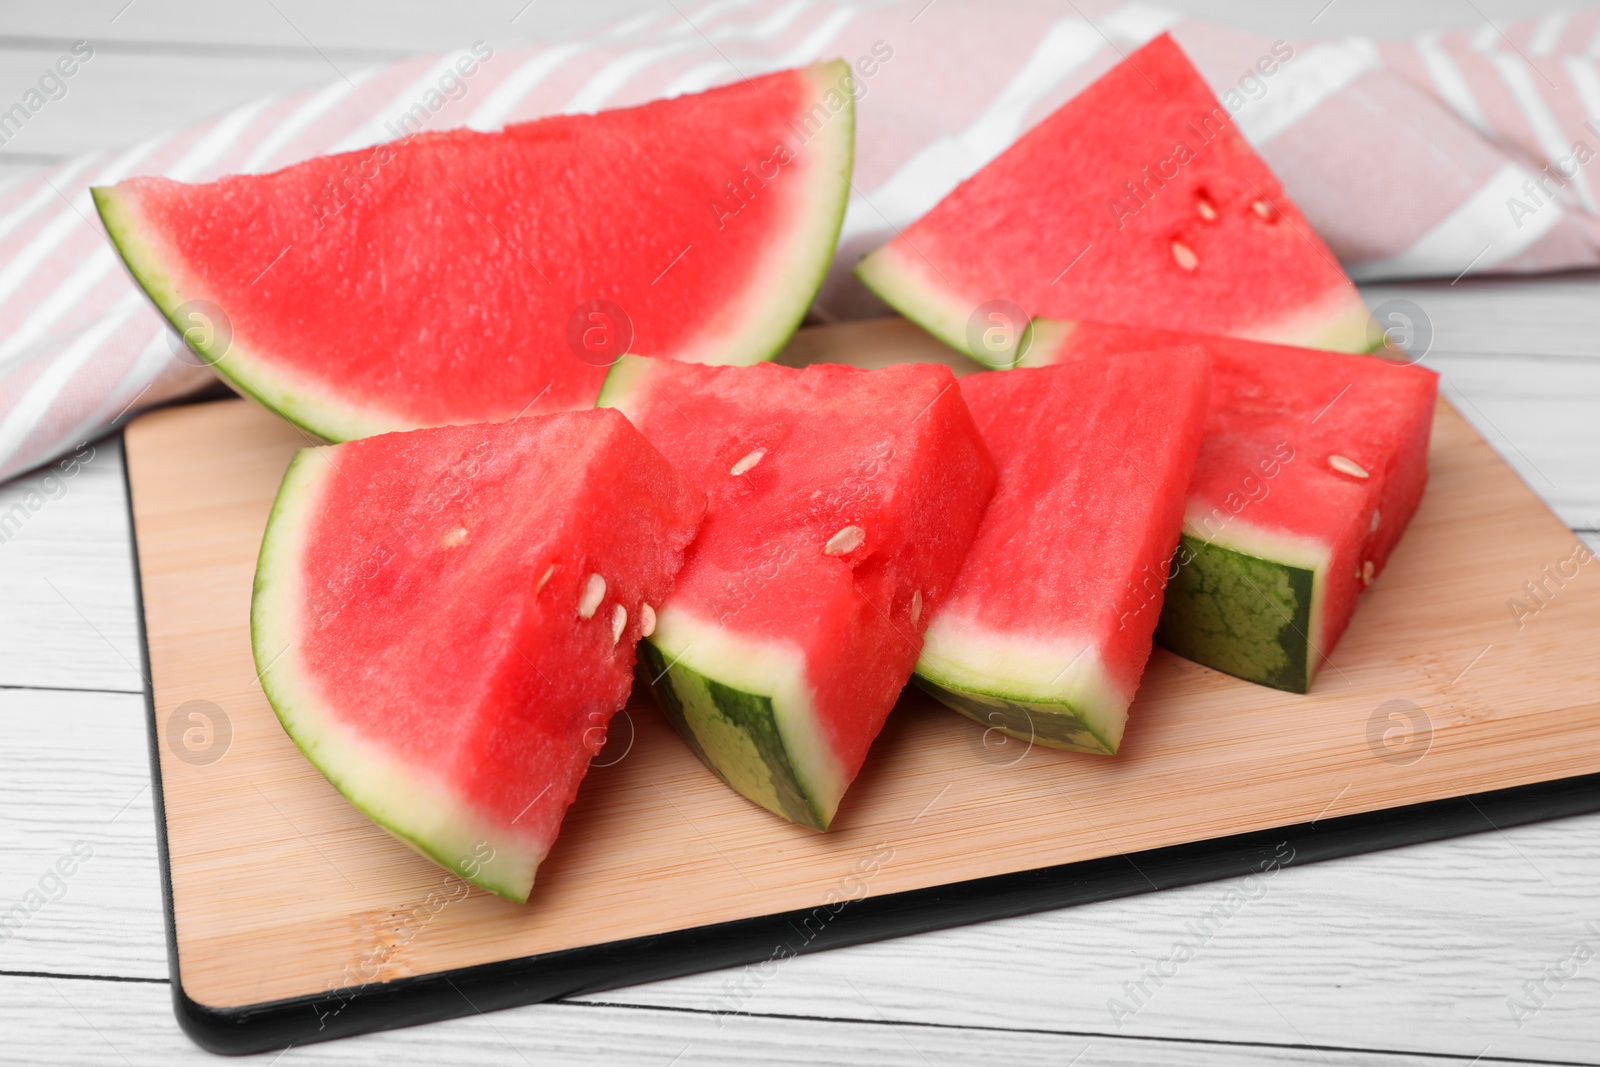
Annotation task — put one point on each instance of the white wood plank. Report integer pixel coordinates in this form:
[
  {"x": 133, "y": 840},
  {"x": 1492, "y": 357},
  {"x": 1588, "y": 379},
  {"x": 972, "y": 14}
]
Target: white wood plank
[
  {"x": 1552, "y": 315},
  {"x": 1415, "y": 949},
  {"x": 66, "y": 578},
  {"x": 117, "y": 1024},
  {"x": 79, "y": 884},
  {"x": 1455, "y": 927}
]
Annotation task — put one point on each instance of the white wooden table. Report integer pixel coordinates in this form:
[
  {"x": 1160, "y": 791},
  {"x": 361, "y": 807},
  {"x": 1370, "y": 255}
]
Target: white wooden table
[{"x": 1407, "y": 956}]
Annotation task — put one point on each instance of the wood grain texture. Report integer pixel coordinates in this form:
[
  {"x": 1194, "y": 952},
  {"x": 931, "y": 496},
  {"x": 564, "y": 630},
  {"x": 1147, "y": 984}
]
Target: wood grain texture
[
  {"x": 66, "y": 578},
  {"x": 118, "y": 1024},
  {"x": 655, "y": 843}
]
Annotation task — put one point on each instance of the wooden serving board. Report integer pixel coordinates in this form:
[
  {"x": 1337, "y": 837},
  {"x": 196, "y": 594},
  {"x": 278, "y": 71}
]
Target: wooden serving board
[{"x": 293, "y": 917}]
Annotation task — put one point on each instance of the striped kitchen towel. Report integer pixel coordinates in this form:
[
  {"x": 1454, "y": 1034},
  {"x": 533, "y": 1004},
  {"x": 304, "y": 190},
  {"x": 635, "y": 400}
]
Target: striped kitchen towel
[{"x": 1458, "y": 153}]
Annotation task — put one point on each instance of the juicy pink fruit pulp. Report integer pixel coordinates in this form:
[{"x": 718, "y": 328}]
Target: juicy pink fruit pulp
[
  {"x": 440, "y": 275},
  {"x": 434, "y": 625}
]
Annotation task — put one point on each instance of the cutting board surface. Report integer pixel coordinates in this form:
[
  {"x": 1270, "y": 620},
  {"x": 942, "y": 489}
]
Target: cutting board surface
[{"x": 281, "y": 889}]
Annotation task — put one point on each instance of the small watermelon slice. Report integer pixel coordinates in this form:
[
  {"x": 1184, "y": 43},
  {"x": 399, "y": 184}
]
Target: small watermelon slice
[
  {"x": 840, "y": 503},
  {"x": 467, "y": 277},
  {"x": 1047, "y": 629},
  {"x": 1136, "y": 202},
  {"x": 1312, "y": 466},
  {"x": 444, "y": 621}
]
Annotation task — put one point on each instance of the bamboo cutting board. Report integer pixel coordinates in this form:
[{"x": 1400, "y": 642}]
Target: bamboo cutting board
[{"x": 292, "y": 917}]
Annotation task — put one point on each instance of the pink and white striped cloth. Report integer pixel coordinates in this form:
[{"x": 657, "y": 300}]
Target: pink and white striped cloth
[{"x": 1459, "y": 152}]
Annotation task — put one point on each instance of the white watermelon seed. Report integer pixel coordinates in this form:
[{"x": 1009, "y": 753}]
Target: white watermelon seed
[
  {"x": 1264, "y": 209},
  {"x": 1348, "y": 466},
  {"x": 1184, "y": 255},
  {"x": 619, "y": 622},
  {"x": 545, "y": 577},
  {"x": 1203, "y": 206},
  {"x": 594, "y": 591},
  {"x": 846, "y": 540},
  {"x": 747, "y": 462},
  {"x": 647, "y": 620},
  {"x": 454, "y": 537},
  {"x": 916, "y": 606},
  {"x": 1366, "y": 572},
  {"x": 1374, "y": 527}
]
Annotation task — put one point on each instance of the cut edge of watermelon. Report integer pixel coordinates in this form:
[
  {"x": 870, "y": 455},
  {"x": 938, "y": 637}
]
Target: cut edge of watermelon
[
  {"x": 1273, "y": 549},
  {"x": 787, "y": 283},
  {"x": 1341, "y": 323},
  {"x": 1027, "y": 689},
  {"x": 289, "y": 396},
  {"x": 429, "y": 819},
  {"x": 691, "y": 659}
]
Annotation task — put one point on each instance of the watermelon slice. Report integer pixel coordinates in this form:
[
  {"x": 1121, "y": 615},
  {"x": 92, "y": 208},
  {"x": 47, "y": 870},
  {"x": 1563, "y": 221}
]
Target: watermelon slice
[
  {"x": 1136, "y": 202},
  {"x": 468, "y": 277},
  {"x": 1312, "y": 465},
  {"x": 840, "y": 503},
  {"x": 444, "y": 621},
  {"x": 1047, "y": 629}
]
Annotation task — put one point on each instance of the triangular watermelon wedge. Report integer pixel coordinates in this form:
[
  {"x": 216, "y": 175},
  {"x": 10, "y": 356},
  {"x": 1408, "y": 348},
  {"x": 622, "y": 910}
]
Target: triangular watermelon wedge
[
  {"x": 1047, "y": 629},
  {"x": 1313, "y": 464},
  {"x": 445, "y": 620},
  {"x": 840, "y": 503},
  {"x": 1136, "y": 202},
  {"x": 465, "y": 277}
]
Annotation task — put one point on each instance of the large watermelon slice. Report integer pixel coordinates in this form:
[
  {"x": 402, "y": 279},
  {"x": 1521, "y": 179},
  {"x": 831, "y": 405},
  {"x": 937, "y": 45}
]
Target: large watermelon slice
[
  {"x": 1312, "y": 465},
  {"x": 840, "y": 504},
  {"x": 444, "y": 621},
  {"x": 1047, "y": 629},
  {"x": 1135, "y": 202},
  {"x": 471, "y": 277}
]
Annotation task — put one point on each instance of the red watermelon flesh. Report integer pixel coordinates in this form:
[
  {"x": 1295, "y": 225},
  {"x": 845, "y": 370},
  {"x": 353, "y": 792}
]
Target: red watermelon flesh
[
  {"x": 445, "y": 621},
  {"x": 1136, "y": 202},
  {"x": 840, "y": 503},
  {"x": 468, "y": 277},
  {"x": 1312, "y": 466},
  {"x": 1047, "y": 629}
]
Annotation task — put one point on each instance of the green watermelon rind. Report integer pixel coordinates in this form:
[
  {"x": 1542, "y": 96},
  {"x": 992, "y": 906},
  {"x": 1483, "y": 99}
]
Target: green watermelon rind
[
  {"x": 243, "y": 371},
  {"x": 388, "y": 792},
  {"x": 774, "y": 311},
  {"x": 1219, "y": 588},
  {"x": 1060, "y": 699},
  {"x": 945, "y": 315},
  {"x": 743, "y": 705}
]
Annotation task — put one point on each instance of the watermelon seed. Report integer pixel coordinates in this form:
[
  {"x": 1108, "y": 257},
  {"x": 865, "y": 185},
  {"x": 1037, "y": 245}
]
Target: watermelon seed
[
  {"x": 747, "y": 462},
  {"x": 1374, "y": 527},
  {"x": 1203, "y": 206},
  {"x": 1347, "y": 466},
  {"x": 619, "y": 622},
  {"x": 916, "y": 606},
  {"x": 1184, "y": 255},
  {"x": 647, "y": 620},
  {"x": 545, "y": 577},
  {"x": 454, "y": 537},
  {"x": 1265, "y": 210},
  {"x": 846, "y": 540},
  {"x": 594, "y": 591},
  {"x": 1366, "y": 572}
]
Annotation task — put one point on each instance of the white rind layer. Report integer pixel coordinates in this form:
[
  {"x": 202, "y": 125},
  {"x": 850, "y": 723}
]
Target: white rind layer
[{"x": 400, "y": 797}]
